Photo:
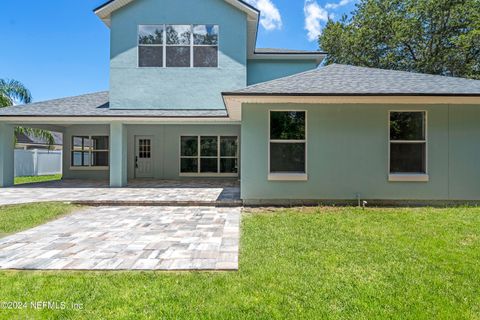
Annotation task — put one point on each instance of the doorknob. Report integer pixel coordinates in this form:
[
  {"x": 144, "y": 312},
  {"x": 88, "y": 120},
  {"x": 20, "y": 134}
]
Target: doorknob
[{"x": 136, "y": 162}]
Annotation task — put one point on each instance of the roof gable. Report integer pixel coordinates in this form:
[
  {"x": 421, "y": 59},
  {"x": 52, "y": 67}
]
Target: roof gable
[
  {"x": 337, "y": 79},
  {"x": 105, "y": 10}
]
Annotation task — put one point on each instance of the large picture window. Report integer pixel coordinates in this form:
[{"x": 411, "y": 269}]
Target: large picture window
[
  {"x": 288, "y": 144},
  {"x": 209, "y": 155},
  {"x": 178, "y": 45},
  {"x": 408, "y": 143},
  {"x": 90, "y": 151}
]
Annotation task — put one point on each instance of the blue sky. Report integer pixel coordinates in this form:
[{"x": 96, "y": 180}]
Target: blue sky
[{"x": 59, "y": 48}]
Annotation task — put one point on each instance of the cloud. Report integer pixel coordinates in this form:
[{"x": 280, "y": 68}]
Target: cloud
[
  {"x": 270, "y": 18},
  {"x": 314, "y": 15},
  {"x": 337, "y": 5}
]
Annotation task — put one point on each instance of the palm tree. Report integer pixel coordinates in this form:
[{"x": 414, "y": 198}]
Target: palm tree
[{"x": 13, "y": 92}]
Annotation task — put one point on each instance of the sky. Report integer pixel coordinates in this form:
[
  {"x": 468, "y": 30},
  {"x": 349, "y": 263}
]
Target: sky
[{"x": 59, "y": 48}]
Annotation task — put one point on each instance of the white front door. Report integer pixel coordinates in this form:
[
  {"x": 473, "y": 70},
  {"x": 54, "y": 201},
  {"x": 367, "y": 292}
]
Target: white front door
[{"x": 143, "y": 157}]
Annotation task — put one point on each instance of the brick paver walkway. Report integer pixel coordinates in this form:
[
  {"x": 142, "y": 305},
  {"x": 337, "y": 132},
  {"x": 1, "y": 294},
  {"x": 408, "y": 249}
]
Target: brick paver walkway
[{"x": 126, "y": 238}]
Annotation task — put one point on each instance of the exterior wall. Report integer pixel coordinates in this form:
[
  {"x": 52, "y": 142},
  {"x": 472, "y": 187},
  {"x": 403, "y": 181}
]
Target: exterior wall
[
  {"x": 166, "y": 144},
  {"x": 176, "y": 88},
  {"x": 347, "y": 154},
  {"x": 80, "y": 173},
  {"x": 266, "y": 70}
]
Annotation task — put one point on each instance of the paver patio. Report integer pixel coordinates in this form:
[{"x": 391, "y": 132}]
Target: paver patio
[
  {"x": 140, "y": 192},
  {"x": 129, "y": 238}
]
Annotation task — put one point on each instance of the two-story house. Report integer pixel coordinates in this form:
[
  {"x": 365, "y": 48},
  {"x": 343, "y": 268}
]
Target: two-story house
[{"x": 191, "y": 96}]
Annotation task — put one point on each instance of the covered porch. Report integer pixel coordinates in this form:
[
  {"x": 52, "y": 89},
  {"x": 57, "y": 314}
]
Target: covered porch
[{"x": 117, "y": 148}]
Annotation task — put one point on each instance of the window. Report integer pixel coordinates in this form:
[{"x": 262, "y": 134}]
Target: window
[
  {"x": 209, "y": 155},
  {"x": 90, "y": 151},
  {"x": 205, "y": 45},
  {"x": 287, "y": 145},
  {"x": 408, "y": 143},
  {"x": 150, "y": 46},
  {"x": 178, "y": 46}
]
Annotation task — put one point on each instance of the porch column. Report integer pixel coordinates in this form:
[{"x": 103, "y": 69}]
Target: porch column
[
  {"x": 7, "y": 147},
  {"x": 118, "y": 155}
]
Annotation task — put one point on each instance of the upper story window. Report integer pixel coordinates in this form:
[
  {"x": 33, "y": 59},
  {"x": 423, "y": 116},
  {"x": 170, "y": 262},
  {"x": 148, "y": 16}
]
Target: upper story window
[{"x": 178, "y": 46}]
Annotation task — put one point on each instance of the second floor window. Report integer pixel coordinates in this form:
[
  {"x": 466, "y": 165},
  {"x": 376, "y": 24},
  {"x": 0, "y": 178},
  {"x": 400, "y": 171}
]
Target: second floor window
[{"x": 178, "y": 46}]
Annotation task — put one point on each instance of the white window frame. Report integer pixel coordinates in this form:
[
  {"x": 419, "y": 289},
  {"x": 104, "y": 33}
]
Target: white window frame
[
  {"x": 90, "y": 152},
  {"x": 199, "y": 156},
  {"x": 408, "y": 177},
  {"x": 192, "y": 45},
  {"x": 286, "y": 176}
]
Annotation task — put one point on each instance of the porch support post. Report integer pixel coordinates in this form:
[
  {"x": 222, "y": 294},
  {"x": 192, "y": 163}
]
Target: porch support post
[
  {"x": 7, "y": 148},
  {"x": 118, "y": 155}
]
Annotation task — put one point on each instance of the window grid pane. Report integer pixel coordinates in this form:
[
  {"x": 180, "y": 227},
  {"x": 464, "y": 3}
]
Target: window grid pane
[
  {"x": 209, "y": 154},
  {"x": 90, "y": 151}
]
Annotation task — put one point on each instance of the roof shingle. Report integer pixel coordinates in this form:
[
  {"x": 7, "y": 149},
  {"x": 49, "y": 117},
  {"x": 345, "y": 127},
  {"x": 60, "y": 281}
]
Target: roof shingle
[
  {"x": 97, "y": 105},
  {"x": 337, "y": 79}
]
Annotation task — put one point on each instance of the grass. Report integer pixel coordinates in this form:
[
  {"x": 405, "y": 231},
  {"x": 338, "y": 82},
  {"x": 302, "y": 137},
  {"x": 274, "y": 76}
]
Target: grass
[
  {"x": 21, "y": 217},
  {"x": 34, "y": 179},
  {"x": 321, "y": 263}
]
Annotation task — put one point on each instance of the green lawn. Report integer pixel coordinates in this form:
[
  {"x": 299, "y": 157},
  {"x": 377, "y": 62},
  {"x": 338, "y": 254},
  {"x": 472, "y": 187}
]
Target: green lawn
[
  {"x": 23, "y": 180},
  {"x": 20, "y": 217},
  {"x": 325, "y": 263}
]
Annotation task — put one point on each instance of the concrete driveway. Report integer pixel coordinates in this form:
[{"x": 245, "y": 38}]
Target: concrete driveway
[{"x": 129, "y": 238}]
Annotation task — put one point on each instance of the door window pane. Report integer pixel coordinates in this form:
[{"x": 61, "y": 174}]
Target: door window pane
[
  {"x": 208, "y": 165},
  {"x": 208, "y": 147},
  {"x": 407, "y": 126},
  {"x": 287, "y": 157},
  {"x": 408, "y": 158},
  {"x": 288, "y": 125},
  {"x": 189, "y": 146}
]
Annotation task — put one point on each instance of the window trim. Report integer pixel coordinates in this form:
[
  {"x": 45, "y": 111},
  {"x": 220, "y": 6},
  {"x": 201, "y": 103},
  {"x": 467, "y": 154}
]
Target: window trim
[
  {"x": 288, "y": 176},
  {"x": 90, "y": 152},
  {"x": 191, "y": 45},
  {"x": 408, "y": 177},
  {"x": 199, "y": 157}
]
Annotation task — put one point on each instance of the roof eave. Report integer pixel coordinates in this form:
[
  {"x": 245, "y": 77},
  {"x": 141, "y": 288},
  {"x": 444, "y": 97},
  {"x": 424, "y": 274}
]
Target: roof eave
[{"x": 307, "y": 94}]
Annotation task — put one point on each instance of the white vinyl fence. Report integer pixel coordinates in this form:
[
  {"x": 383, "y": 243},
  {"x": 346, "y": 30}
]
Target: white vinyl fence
[{"x": 37, "y": 162}]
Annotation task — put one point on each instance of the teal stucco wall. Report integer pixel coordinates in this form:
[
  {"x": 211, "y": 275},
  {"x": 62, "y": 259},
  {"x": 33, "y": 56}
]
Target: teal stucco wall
[
  {"x": 176, "y": 88},
  {"x": 347, "y": 154},
  {"x": 266, "y": 70}
]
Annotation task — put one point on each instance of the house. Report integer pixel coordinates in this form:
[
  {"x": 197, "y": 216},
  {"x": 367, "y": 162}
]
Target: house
[
  {"x": 192, "y": 97},
  {"x": 28, "y": 141}
]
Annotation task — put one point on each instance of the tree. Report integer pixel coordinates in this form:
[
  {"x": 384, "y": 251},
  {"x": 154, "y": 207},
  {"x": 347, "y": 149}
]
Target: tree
[
  {"x": 12, "y": 92},
  {"x": 429, "y": 36}
]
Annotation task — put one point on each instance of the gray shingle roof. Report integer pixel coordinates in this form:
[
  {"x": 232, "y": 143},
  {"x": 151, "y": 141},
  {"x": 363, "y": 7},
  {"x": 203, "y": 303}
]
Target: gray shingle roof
[
  {"x": 97, "y": 105},
  {"x": 32, "y": 139},
  {"x": 337, "y": 79}
]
